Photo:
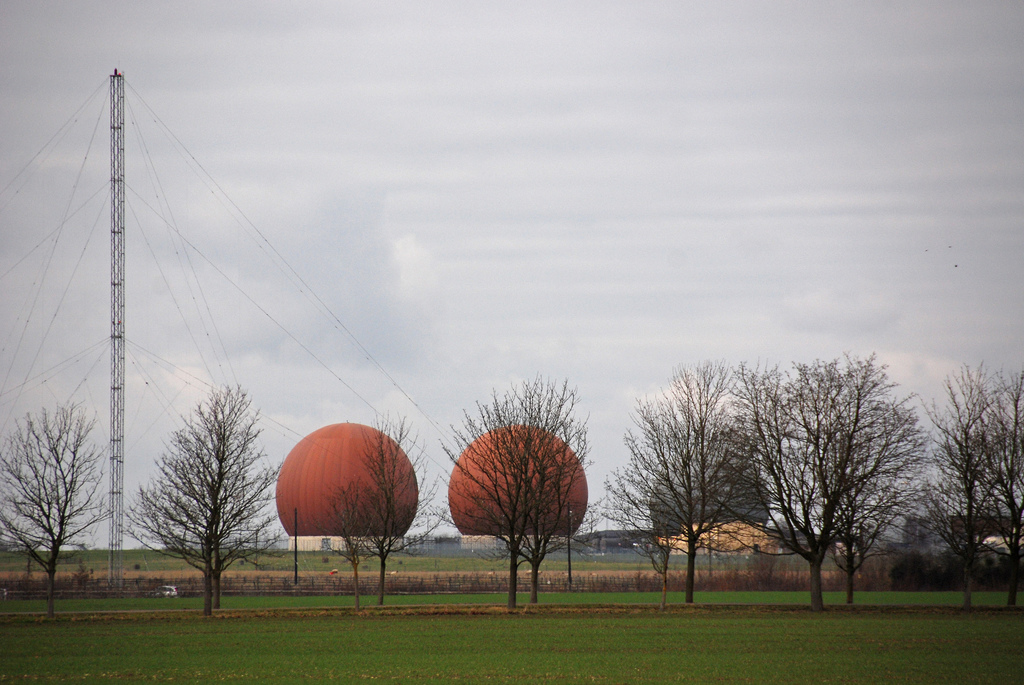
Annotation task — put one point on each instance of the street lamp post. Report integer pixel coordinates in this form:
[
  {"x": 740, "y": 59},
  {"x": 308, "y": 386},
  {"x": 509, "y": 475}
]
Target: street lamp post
[{"x": 568, "y": 547}]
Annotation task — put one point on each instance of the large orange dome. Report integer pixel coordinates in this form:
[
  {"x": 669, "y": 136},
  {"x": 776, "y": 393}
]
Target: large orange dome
[
  {"x": 330, "y": 459},
  {"x": 476, "y": 492}
]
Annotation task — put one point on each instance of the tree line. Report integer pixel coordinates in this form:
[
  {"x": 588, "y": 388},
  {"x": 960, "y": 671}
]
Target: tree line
[
  {"x": 825, "y": 459},
  {"x": 207, "y": 503}
]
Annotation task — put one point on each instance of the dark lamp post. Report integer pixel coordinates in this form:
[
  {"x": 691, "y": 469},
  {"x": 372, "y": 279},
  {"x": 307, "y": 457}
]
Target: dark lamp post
[{"x": 568, "y": 547}]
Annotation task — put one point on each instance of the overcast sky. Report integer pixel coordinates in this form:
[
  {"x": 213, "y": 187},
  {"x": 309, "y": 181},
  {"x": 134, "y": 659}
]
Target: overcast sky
[{"x": 485, "y": 192}]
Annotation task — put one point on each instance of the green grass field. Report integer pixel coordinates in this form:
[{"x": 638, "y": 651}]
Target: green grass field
[
  {"x": 947, "y": 599},
  {"x": 546, "y": 644}
]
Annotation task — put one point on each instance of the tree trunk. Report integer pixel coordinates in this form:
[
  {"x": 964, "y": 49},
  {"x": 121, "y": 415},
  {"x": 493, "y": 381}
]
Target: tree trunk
[
  {"x": 691, "y": 570},
  {"x": 967, "y": 586},
  {"x": 380, "y": 585},
  {"x": 355, "y": 582},
  {"x": 664, "y": 589},
  {"x": 207, "y": 590},
  {"x": 216, "y": 589},
  {"x": 1011, "y": 597},
  {"x": 817, "y": 603},
  {"x": 534, "y": 581},
  {"x": 850, "y": 566},
  {"x": 51, "y": 574},
  {"x": 513, "y": 579}
]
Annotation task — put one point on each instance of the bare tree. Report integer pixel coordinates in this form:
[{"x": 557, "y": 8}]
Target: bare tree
[
  {"x": 208, "y": 502},
  {"x": 49, "y": 481},
  {"x": 518, "y": 471},
  {"x": 812, "y": 440},
  {"x": 373, "y": 515},
  {"x": 958, "y": 505},
  {"x": 1006, "y": 465},
  {"x": 551, "y": 518},
  {"x": 635, "y": 508},
  {"x": 886, "y": 448},
  {"x": 654, "y": 536},
  {"x": 682, "y": 476},
  {"x": 400, "y": 506},
  {"x": 352, "y": 521},
  {"x": 792, "y": 466}
]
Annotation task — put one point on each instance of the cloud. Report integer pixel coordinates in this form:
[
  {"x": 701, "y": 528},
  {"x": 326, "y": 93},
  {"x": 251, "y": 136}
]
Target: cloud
[
  {"x": 830, "y": 312},
  {"x": 481, "y": 192}
]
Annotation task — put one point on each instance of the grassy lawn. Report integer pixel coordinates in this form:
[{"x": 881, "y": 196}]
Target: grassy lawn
[
  {"x": 949, "y": 599},
  {"x": 552, "y": 644}
]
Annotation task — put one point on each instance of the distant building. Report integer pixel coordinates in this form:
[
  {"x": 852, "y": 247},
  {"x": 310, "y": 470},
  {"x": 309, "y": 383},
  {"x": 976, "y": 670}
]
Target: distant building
[
  {"x": 735, "y": 537},
  {"x": 610, "y": 541},
  {"x": 315, "y": 543},
  {"x": 482, "y": 543}
]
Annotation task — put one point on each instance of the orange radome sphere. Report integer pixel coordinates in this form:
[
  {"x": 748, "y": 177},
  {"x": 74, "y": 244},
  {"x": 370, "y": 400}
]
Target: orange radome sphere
[
  {"x": 469, "y": 499},
  {"x": 326, "y": 460}
]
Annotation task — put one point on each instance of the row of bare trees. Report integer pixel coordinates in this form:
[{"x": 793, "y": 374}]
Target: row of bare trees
[
  {"x": 975, "y": 500},
  {"x": 209, "y": 501},
  {"x": 207, "y": 504},
  {"x": 823, "y": 459}
]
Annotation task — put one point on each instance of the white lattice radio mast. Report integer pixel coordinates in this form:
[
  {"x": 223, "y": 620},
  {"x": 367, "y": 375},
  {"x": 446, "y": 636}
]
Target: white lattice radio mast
[{"x": 115, "y": 575}]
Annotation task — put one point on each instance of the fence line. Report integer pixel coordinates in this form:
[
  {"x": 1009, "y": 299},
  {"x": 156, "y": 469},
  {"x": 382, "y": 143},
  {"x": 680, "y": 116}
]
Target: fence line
[{"x": 275, "y": 583}]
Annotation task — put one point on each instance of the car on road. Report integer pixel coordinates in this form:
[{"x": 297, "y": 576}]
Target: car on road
[{"x": 166, "y": 591}]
